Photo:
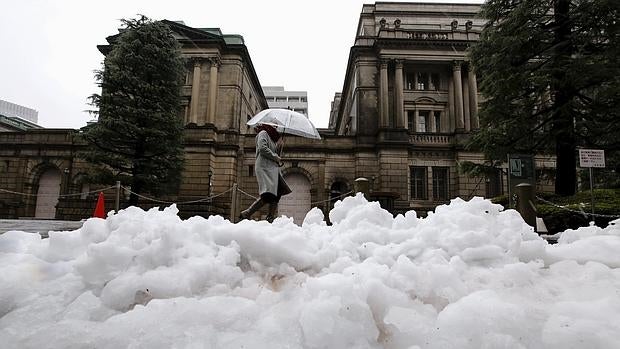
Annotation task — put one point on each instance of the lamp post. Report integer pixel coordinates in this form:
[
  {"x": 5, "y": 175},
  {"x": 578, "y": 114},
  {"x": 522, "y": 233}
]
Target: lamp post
[{"x": 209, "y": 175}]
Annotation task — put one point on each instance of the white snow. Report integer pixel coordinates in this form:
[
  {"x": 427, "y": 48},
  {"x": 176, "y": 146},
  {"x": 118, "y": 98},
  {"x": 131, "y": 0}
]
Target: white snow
[{"x": 470, "y": 275}]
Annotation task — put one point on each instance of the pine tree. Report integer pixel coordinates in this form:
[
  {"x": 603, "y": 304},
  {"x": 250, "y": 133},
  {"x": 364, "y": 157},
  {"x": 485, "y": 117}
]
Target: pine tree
[
  {"x": 137, "y": 138},
  {"x": 549, "y": 71}
]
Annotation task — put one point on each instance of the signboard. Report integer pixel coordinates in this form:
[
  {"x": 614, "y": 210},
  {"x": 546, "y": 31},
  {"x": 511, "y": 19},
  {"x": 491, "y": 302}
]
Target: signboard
[
  {"x": 520, "y": 170},
  {"x": 591, "y": 158}
]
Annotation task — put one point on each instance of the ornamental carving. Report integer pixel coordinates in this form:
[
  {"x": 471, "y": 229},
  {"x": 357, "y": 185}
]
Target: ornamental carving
[{"x": 215, "y": 61}]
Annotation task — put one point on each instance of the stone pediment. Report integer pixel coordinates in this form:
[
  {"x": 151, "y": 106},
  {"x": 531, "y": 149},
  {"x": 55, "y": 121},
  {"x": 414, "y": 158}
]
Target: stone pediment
[{"x": 425, "y": 100}]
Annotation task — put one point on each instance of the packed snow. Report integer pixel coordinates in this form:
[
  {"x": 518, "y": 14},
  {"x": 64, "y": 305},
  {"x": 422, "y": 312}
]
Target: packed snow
[{"x": 469, "y": 275}]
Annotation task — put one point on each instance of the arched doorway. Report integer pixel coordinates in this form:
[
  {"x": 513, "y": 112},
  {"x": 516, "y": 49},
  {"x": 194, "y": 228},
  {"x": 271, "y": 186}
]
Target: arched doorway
[
  {"x": 336, "y": 192},
  {"x": 47, "y": 195},
  {"x": 297, "y": 203}
]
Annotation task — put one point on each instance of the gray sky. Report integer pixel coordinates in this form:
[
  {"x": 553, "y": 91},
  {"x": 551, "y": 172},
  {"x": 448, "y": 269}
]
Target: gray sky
[{"x": 48, "y": 49}]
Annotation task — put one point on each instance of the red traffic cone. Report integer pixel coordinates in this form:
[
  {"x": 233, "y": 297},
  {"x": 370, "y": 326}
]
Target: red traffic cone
[{"x": 99, "y": 209}]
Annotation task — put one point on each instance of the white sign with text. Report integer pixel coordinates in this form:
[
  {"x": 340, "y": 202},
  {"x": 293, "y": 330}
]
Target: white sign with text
[{"x": 591, "y": 158}]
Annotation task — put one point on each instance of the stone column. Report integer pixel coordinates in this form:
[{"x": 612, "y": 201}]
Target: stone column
[
  {"x": 399, "y": 94},
  {"x": 451, "y": 113},
  {"x": 212, "y": 100},
  {"x": 473, "y": 97},
  {"x": 458, "y": 94},
  {"x": 466, "y": 114},
  {"x": 383, "y": 98},
  {"x": 193, "y": 118}
]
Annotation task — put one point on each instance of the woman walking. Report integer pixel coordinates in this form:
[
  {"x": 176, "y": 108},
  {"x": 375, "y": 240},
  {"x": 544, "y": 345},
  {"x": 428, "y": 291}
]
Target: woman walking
[{"x": 271, "y": 184}]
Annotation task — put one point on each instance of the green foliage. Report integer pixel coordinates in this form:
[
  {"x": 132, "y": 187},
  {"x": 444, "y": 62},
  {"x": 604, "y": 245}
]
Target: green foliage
[
  {"x": 473, "y": 169},
  {"x": 606, "y": 202},
  {"x": 550, "y": 75},
  {"x": 138, "y": 136}
]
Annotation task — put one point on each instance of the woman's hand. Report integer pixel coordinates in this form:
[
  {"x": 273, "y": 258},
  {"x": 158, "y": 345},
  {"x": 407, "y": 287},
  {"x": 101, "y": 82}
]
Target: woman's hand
[{"x": 279, "y": 161}]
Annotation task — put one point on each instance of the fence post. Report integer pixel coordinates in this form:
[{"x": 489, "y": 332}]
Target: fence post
[
  {"x": 525, "y": 203},
  {"x": 233, "y": 204},
  {"x": 118, "y": 196},
  {"x": 362, "y": 185}
]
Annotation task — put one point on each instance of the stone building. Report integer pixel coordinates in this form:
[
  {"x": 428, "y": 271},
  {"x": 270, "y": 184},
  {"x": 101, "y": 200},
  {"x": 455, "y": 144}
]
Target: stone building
[{"x": 408, "y": 104}]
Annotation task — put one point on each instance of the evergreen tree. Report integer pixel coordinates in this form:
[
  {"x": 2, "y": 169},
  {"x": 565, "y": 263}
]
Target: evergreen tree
[
  {"x": 138, "y": 136},
  {"x": 549, "y": 71}
]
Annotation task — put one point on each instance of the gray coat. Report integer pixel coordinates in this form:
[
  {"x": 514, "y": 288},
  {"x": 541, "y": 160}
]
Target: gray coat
[{"x": 266, "y": 167}]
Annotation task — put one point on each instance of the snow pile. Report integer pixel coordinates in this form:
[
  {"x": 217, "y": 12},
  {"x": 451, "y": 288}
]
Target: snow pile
[{"x": 469, "y": 275}]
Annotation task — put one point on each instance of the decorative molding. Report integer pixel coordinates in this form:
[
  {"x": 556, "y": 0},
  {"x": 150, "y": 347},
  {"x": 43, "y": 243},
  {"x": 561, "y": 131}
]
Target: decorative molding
[
  {"x": 427, "y": 35},
  {"x": 215, "y": 61}
]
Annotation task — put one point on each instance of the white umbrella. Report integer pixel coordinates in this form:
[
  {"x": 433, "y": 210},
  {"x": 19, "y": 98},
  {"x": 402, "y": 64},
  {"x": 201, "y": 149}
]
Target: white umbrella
[{"x": 286, "y": 121}]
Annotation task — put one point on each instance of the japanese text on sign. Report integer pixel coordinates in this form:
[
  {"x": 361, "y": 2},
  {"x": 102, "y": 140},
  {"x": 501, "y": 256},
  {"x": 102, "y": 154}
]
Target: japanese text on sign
[{"x": 591, "y": 158}]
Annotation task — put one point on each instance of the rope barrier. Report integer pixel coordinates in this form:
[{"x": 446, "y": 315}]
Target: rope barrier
[
  {"x": 330, "y": 199},
  {"x": 178, "y": 203},
  {"x": 59, "y": 195},
  {"x": 243, "y": 192},
  {"x": 163, "y": 201},
  {"x": 575, "y": 211}
]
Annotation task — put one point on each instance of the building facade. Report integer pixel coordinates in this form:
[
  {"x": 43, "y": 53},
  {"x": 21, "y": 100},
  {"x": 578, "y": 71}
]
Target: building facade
[
  {"x": 278, "y": 97},
  {"x": 14, "y": 117},
  {"x": 408, "y": 105}
]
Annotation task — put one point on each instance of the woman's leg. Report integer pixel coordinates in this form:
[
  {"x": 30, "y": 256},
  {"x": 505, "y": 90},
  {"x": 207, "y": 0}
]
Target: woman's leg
[{"x": 256, "y": 205}]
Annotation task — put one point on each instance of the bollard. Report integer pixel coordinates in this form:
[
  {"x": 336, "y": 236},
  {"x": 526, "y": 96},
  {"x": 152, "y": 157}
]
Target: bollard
[
  {"x": 362, "y": 185},
  {"x": 117, "y": 201},
  {"x": 525, "y": 203},
  {"x": 233, "y": 204}
]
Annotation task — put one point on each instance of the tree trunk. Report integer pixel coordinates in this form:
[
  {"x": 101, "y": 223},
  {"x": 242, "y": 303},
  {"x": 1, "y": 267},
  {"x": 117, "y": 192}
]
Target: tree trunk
[
  {"x": 137, "y": 173},
  {"x": 563, "y": 129}
]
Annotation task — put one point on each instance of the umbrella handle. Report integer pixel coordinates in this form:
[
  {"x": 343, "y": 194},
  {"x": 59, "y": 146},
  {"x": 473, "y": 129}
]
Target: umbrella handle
[{"x": 283, "y": 142}]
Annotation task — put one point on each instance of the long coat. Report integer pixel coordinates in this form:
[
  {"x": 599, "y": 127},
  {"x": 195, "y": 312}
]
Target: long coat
[{"x": 267, "y": 170}]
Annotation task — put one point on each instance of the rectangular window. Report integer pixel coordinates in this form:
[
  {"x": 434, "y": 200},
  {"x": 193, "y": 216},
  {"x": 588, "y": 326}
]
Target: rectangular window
[
  {"x": 437, "y": 121},
  {"x": 440, "y": 183},
  {"x": 422, "y": 81},
  {"x": 293, "y": 99},
  {"x": 435, "y": 82},
  {"x": 411, "y": 120},
  {"x": 418, "y": 183},
  {"x": 251, "y": 170},
  {"x": 410, "y": 84},
  {"x": 303, "y": 99},
  {"x": 494, "y": 184},
  {"x": 423, "y": 123}
]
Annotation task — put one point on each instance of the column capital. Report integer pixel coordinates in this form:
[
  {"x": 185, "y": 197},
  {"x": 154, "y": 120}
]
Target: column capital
[
  {"x": 456, "y": 65},
  {"x": 399, "y": 63},
  {"x": 196, "y": 61},
  {"x": 215, "y": 61},
  {"x": 383, "y": 62}
]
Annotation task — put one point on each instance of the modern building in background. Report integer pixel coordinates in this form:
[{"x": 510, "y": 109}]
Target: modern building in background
[
  {"x": 14, "y": 117},
  {"x": 9, "y": 109},
  {"x": 278, "y": 97}
]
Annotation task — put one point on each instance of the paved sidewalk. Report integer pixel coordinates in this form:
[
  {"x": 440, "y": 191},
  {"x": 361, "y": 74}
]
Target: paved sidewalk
[{"x": 40, "y": 226}]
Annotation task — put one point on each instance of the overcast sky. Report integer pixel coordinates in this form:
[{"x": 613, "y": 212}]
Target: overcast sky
[{"x": 48, "y": 49}]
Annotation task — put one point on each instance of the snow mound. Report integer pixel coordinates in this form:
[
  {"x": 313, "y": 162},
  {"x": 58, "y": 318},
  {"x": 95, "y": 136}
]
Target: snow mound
[{"x": 469, "y": 275}]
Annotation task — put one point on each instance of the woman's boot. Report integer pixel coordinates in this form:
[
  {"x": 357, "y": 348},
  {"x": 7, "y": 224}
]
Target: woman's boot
[
  {"x": 271, "y": 215},
  {"x": 256, "y": 205}
]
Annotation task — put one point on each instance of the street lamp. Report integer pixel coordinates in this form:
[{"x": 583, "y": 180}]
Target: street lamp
[{"x": 209, "y": 175}]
